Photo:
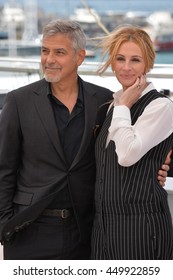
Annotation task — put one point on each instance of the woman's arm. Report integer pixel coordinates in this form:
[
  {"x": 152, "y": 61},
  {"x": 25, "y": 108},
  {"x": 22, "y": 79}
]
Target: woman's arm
[{"x": 151, "y": 128}]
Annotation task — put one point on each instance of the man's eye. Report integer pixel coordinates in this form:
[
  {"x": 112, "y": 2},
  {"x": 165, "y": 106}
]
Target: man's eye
[
  {"x": 60, "y": 52},
  {"x": 44, "y": 51}
]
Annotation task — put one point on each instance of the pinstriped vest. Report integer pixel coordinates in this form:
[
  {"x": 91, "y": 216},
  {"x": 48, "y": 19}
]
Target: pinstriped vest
[{"x": 134, "y": 189}]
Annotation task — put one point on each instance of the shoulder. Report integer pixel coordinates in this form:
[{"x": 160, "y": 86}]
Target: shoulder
[
  {"x": 161, "y": 104},
  {"x": 96, "y": 87},
  {"x": 35, "y": 86},
  {"x": 99, "y": 91},
  {"x": 24, "y": 95}
]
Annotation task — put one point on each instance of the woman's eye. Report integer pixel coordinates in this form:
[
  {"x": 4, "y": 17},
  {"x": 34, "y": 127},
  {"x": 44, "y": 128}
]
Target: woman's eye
[
  {"x": 135, "y": 60},
  {"x": 120, "y": 58}
]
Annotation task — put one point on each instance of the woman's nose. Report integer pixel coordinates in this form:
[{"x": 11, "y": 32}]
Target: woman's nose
[{"x": 127, "y": 65}]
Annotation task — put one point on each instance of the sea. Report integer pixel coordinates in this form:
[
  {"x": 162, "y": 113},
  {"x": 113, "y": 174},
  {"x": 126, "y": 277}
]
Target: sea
[{"x": 65, "y": 8}]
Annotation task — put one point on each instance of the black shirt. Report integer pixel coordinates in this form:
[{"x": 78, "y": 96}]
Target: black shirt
[{"x": 70, "y": 128}]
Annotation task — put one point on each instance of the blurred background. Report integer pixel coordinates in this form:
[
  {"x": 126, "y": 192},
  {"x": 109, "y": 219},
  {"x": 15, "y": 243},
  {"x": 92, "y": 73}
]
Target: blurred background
[{"x": 21, "y": 23}]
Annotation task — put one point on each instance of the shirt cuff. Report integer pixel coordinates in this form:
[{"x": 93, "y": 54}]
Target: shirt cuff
[{"x": 121, "y": 111}]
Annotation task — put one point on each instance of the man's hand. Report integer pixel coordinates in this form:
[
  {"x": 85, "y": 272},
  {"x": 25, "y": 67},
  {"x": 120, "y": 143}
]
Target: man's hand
[{"x": 163, "y": 173}]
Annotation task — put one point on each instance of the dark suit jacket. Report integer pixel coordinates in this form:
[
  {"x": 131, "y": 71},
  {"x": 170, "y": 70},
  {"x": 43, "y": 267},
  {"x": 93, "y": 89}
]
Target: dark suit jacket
[{"x": 33, "y": 168}]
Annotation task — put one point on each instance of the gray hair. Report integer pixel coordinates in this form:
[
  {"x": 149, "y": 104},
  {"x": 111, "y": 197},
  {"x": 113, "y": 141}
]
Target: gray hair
[{"x": 67, "y": 27}]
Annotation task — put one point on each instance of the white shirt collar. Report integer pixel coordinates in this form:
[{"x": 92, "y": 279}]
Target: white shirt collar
[{"x": 147, "y": 89}]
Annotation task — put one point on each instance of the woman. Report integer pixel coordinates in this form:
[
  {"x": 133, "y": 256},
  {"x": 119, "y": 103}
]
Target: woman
[{"x": 132, "y": 219}]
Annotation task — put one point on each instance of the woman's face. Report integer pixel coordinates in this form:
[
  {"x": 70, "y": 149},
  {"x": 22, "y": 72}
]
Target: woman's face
[{"x": 128, "y": 64}]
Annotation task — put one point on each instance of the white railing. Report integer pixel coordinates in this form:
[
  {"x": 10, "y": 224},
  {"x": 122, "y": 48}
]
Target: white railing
[
  {"x": 20, "y": 65},
  {"x": 16, "y": 72},
  {"x": 33, "y": 65}
]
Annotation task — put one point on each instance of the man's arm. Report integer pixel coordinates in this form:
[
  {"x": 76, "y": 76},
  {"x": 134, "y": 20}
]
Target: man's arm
[
  {"x": 163, "y": 172},
  {"x": 10, "y": 147}
]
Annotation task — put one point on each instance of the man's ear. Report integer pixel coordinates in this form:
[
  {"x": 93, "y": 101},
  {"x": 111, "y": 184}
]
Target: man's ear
[{"x": 80, "y": 57}]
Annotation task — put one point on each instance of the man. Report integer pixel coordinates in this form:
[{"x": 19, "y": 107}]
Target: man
[{"x": 47, "y": 165}]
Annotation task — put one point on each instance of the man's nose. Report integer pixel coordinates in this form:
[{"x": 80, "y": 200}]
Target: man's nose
[{"x": 51, "y": 58}]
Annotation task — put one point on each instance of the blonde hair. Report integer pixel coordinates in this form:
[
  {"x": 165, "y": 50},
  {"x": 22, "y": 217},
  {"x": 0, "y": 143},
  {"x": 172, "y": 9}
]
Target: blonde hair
[{"x": 111, "y": 43}]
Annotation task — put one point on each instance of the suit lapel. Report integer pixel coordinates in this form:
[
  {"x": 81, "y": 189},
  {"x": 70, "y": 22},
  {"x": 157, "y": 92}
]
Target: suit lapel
[
  {"x": 90, "y": 105},
  {"x": 46, "y": 115}
]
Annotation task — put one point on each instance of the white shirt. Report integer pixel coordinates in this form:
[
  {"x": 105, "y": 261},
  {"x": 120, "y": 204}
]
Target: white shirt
[{"x": 152, "y": 127}]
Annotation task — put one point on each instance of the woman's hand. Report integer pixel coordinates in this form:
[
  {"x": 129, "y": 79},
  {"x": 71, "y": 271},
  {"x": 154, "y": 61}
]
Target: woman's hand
[{"x": 132, "y": 93}]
